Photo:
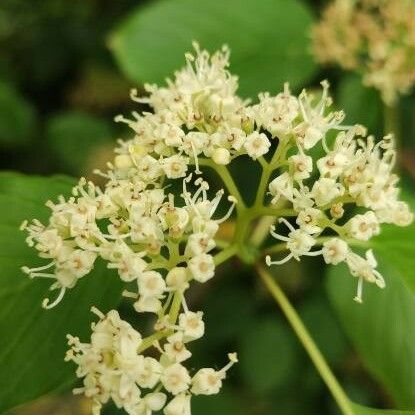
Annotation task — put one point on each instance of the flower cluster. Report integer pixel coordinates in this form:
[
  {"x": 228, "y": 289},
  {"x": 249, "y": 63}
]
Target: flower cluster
[
  {"x": 316, "y": 169},
  {"x": 374, "y": 37},
  {"x": 112, "y": 366},
  {"x": 138, "y": 230},
  {"x": 353, "y": 172}
]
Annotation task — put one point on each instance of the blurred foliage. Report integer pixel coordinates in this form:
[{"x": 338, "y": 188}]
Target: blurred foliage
[
  {"x": 382, "y": 330},
  {"x": 74, "y": 136},
  {"x": 361, "y": 104},
  {"x": 34, "y": 359},
  {"x": 17, "y": 117},
  {"x": 268, "y": 40},
  {"x": 60, "y": 87}
]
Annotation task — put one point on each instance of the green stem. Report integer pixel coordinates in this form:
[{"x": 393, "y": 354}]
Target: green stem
[
  {"x": 263, "y": 183},
  {"x": 261, "y": 230},
  {"x": 227, "y": 179},
  {"x": 307, "y": 341},
  {"x": 173, "y": 314},
  {"x": 391, "y": 122},
  {"x": 225, "y": 254}
]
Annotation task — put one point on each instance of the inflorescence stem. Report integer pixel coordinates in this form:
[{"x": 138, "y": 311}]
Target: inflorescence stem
[
  {"x": 238, "y": 246},
  {"x": 307, "y": 341}
]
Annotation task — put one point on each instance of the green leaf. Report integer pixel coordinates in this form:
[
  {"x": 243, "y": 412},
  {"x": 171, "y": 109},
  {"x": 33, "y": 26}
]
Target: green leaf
[
  {"x": 269, "y": 40},
  {"x": 74, "y": 136},
  {"x": 362, "y": 410},
  {"x": 382, "y": 329},
  {"x": 268, "y": 355},
  {"x": 33, "y": 340},
  {"x": 396, "y": 245},
  {"x": 361, "y": 104},
  {"x": 17, "y": 117}
]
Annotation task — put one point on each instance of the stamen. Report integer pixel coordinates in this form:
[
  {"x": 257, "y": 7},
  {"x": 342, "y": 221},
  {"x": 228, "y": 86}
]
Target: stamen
[
  {"x": 97, "y": 312},
  {"x": 358, "y": 297},
  {"x": 269, "y": 262},
  {"x": 288, "y": 224},
  {"x": 197, "y": 170},
  {"x": 233, "y": 358},
  {"x": 230, "y": 210},
  {"x": 28, "y": 270},
  {"x": 278, "y": 236},
  {"x": 45, "y": 302},
  {"x": 184, "y": 304},
  {"x": 129, "y": 294}
]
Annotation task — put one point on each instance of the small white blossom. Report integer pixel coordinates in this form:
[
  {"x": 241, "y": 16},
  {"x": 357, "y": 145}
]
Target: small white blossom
[
  {"x": 301, "y": 166},
  {"x": 202, "y": 267},
  {"x": 192, "y": 325},
  {"x": 208, "y": 381},
  {"x": 281, "y": 186},
  {"x": 175, "y": 166},
  {"x": 175, "y": 378},
  {"x": 179, "y": 405},
  {"x": 147, "y": 373},
  {"x": 364, "y": 226},
  {"x": 298, "y": 243},
  {"x": 256, "y": 145},
  {"x": 175, "y": 348},
  {"x": 365, "y": 270},
  {"x": 308, "y": 220},
  {"x": 177, "y": 279},
  {"x": 335, "y": 251},
  {"x": 221, "y": 156},
  {"x": 325, "y": 190}
]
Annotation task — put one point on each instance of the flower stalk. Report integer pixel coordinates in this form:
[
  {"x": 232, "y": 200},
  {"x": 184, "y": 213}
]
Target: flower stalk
[{"x": 307, "y": 341}]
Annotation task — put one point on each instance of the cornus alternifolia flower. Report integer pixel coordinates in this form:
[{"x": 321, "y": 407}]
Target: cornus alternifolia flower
[
  {"x": 160, "y": 240},
  {"x": 375, "y": 38}
]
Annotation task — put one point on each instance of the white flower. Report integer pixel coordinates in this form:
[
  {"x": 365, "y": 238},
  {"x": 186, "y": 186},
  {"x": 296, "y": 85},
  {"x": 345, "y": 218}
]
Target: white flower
[
  {"x": 123, "y": 161},
  {"x": 365, "y": 270},
  {"x": 298, "y": 242},
  {"x": 179, "y": 405},
  {"x": 398, "y": 213},
  {"x": 175, "y": 348},
  {"x": 199, "y": 243},
  {"x": 221, "y": 156},
  {"x": 79, "y": 262},
  {"x": 147, "y": 373},
  {"x": 325, "y": 190},
  {"x": 109, "y": 362},
  {"x": 128, "y": 263},
  {"x": 151, "y": 284},
  {"x": 256, "y": 145},
  {"x": 308, "y": 220},
  {"x": 335, "y": 251},
  {"x": 281, "y": 186},
  {"x": 364, "y": 226},
  {"x": 177, "y": 279},
  {"x": 333, "y": 164},
  {"x": 148, "y": 305},
  {"x": 202, "y": 267},
  {"x": 175, "y": 166},
  {"x": 154, "y": 401},
  {"x": 208, "y": 381},
  {"x": 277, "y": 114},
  {"x": 192, "y": 325},
  {"x": 229, "y": 138},
  {"x": 301, "y": 166},
  {"x": 175, "y": 378}
]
